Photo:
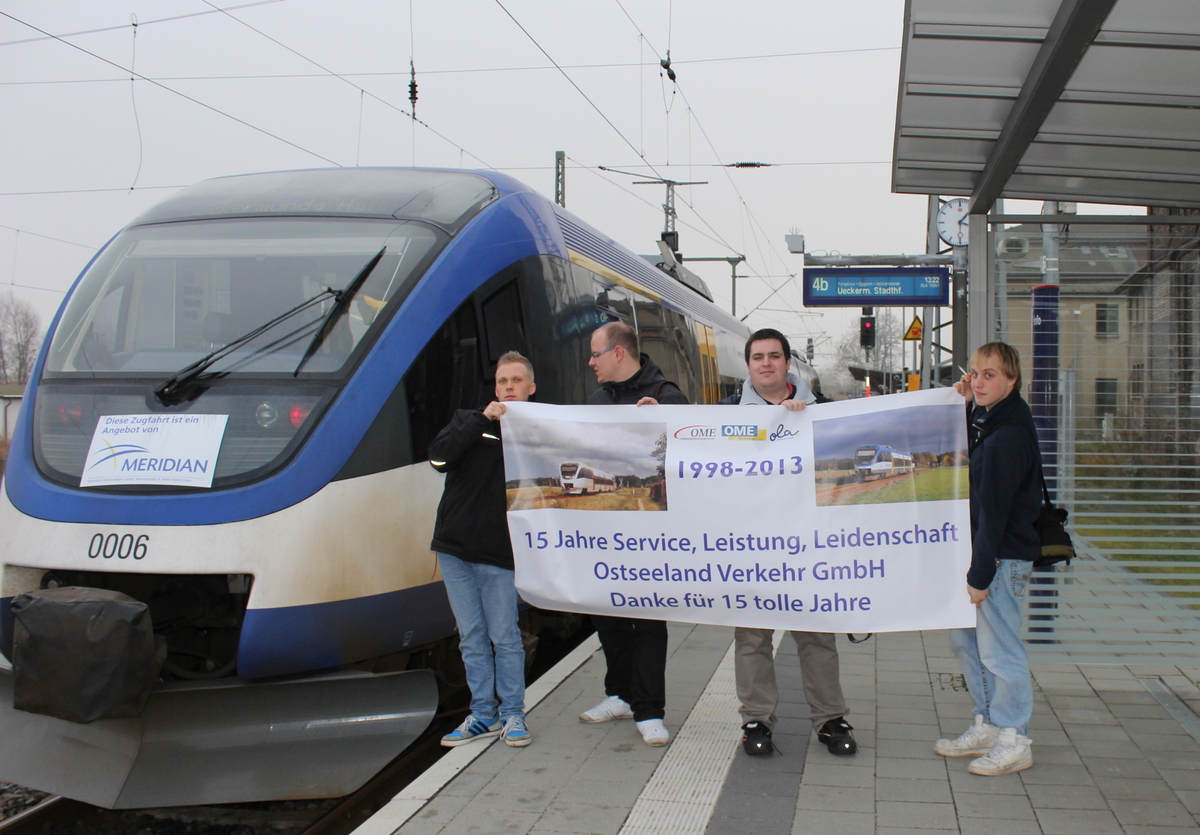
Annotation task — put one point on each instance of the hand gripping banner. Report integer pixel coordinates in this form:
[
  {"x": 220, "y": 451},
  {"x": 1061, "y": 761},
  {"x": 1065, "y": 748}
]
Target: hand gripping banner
[{"x": 844, "y": 517}]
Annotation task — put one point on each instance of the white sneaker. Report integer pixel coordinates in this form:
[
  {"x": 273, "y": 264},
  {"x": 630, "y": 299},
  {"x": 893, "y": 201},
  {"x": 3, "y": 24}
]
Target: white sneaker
[
  {"x": 1011, "y": 753},
  {"x": 975, "y": 740},
  {"x": 613, "y": 707},
  {"x": 654, "y": 732}
]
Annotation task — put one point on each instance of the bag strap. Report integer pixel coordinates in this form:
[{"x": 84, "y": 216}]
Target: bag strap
[
  {"x": 987, "y": 430},
  {"x": 658, "y": 389}
]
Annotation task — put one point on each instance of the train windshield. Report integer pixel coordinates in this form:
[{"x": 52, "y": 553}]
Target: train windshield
[
  {"x": 866, "y": 453},
  {"x": 164, "y": 296}
]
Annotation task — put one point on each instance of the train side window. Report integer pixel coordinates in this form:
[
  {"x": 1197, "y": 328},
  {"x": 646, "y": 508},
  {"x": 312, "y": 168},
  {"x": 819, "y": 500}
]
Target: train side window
[
  {"x": 615, "y": 302},
  {"x": 660, "y": 341},
  {"x": 443, "y": 378},
  {"x": 502, "y": 322}
]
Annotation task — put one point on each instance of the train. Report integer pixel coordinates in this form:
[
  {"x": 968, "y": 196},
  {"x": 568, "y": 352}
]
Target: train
[
  {"x": 581, "y": 479},
  {"x": 227, "y": 431},
  {"x": 881, "y": 461}
]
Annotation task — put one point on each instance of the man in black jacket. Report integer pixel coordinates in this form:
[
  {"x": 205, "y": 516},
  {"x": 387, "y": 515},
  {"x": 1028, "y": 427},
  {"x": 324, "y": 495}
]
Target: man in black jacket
[
  {"x": 635, "y": 649},
  {"x": 1005, "y": 501},
  {"x": 475, "y": 556}
]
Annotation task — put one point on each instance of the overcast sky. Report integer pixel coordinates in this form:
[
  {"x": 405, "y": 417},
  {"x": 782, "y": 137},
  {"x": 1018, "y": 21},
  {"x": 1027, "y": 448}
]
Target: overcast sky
[
  {"x": 917, "y": 429},
  {"x": 616, "y": 448},
  {"x": 807, "y": 86}
]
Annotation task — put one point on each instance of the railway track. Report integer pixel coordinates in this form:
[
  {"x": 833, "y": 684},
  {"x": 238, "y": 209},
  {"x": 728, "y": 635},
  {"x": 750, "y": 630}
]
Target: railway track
[{"x": 339, "y": 816}]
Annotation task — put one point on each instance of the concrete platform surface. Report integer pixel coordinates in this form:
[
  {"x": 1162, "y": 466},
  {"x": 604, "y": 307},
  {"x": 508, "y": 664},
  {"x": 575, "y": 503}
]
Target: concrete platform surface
[{"x": 1115, "y": 750}]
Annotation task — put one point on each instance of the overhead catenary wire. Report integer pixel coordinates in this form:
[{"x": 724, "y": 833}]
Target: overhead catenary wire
[
  {"x": 459, "y": 71},
  {"x": 579, "y": 89},
  {"x": 330, "y": 73},
  {"x": 171, "y": 90},
  {"x": 745, "y": 206},
  {"x": 118, "y": 27}
]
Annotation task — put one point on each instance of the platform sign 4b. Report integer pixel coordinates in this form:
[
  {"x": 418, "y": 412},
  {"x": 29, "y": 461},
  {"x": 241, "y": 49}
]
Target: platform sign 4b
[{"x": 876, "y": 286}]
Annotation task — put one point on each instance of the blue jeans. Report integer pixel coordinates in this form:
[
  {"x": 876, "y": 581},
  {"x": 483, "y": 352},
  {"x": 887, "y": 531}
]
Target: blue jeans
[
  {"x": 484, "y": 600},
  {"x": 992, "y": 655}
]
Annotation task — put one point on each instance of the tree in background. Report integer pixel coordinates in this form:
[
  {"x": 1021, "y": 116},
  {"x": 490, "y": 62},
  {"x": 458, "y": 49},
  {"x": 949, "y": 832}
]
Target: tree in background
[
  {"x": 20, "y": 339},
  {"x": 886, "y": 355}
]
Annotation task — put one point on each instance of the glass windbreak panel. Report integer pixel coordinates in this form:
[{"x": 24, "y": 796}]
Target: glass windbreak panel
[
  {"x": 163, "y": 297},
  {"x": 1110, "y": 354}
]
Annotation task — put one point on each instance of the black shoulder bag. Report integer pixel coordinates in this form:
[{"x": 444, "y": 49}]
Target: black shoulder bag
[{"x": 1051, "y": 521}]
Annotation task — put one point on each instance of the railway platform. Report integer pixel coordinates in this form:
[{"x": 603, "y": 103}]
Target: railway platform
[{"x": 1115, "y": 750}]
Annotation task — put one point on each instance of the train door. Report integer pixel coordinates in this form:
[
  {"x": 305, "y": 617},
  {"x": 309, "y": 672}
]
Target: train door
[{"x": 710, "y": 375}]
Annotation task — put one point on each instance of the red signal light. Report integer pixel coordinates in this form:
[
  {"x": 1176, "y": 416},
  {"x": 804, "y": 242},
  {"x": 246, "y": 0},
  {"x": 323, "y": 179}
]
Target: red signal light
[{"x": 298, "y": 414}]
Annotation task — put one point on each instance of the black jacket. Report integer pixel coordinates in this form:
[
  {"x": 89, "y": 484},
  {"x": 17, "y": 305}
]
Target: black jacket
[
  {"x": 644, "y": 383},
  {"x": 471, "y": 521},
  {"x": 1006, "y": 488}
]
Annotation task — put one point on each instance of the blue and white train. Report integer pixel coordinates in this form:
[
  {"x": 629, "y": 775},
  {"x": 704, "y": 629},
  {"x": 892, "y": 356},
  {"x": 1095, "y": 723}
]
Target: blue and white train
[
  {"x": 327, "y": 323},
  {"x": 881, "y": 461}
]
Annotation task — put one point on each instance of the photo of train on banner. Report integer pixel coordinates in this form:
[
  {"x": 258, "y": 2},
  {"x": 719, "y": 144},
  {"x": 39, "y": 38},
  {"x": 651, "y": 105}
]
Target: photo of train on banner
[
  {"x": 879, "y": 461},
  {"x": 335, "y": 319},
  {"x": 853, "y": 466},
  {"x": 581, "y": 479},
  {"x": 587, "y": 465}
]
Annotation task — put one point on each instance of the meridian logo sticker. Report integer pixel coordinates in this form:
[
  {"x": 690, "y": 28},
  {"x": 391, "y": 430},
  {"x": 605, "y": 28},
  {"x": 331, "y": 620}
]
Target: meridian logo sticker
[
  {"x": 116, "y": 451},
  {"x": 698, "y": 432}
]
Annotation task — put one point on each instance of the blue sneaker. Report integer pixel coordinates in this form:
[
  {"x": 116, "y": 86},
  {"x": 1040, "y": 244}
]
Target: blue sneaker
[
  {"x": 515, "y": 733},
  {"x": 471, "y": 729}
]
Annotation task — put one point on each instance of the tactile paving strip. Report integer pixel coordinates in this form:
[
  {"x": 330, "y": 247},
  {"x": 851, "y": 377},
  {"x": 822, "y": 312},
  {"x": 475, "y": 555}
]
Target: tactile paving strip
[{"x": 683, "y": 790}]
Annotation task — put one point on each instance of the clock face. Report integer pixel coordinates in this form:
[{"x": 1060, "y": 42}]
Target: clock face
[{"x": 952, "y": 221}]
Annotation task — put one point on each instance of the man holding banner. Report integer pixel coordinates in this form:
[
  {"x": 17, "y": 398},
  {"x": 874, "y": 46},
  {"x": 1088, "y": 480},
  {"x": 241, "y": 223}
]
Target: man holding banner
[
  {"x": 768, "y": 358},
  {"x": 1005, "y": 501},
  {"x": 476, "y": 558},
  {"x": 635, "y": 649}
]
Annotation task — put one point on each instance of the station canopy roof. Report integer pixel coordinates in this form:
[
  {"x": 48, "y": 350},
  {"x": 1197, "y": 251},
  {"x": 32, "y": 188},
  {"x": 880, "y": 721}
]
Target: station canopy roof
[{"x": 1077, "y": 100}]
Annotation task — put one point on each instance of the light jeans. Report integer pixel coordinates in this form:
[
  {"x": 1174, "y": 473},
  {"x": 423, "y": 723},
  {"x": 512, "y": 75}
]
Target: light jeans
[
  {"x": 484, "y": 600},
  {"x": 994, "y": 662}
]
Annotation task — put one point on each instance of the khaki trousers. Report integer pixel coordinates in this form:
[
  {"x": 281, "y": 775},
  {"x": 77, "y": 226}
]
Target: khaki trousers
[{"x": 754, "y": 671}]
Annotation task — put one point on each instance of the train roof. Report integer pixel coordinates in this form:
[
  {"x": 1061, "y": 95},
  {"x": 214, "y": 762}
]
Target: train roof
[{"x": 448, "y": 199}]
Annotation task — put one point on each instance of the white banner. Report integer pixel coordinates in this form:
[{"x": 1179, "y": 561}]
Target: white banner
[
  {"x": 845, "y": 517},
  {"x": 179, "y": 450}
]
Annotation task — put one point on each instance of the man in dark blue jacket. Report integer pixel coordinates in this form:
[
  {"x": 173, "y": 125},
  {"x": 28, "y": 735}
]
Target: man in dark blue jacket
[
  {"x": 634, "y": 649},
  {"x": 1005, "y": 502},
  {"x": 475, "y": 556}
]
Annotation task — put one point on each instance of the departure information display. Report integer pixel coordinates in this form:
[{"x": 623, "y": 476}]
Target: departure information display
[{"x": 876, "y": 286}]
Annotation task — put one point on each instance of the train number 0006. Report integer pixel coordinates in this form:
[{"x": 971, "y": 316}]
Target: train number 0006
[{"x": 120, "y": 547}]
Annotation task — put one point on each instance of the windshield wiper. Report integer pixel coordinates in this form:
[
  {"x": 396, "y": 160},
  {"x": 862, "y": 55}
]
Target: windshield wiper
[
  {"x": 182, "y": 386},
  {"x": 341, "y": 303},
  {"x": 178, "y": 388}
]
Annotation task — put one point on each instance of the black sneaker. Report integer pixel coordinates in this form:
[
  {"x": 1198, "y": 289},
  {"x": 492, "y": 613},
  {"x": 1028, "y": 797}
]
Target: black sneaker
[
  {"x": 835, "y": 735},
  {"x": 756, "y": 739}
]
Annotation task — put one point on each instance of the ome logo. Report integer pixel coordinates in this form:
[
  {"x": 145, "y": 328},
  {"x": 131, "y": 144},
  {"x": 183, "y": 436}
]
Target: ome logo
[
  {"x": 730, "y": 432},
  {"x": 743, "y": 432}
]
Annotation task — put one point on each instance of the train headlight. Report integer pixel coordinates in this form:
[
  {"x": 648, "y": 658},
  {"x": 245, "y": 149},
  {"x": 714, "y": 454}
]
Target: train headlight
[{"x": 266, "y": 415}]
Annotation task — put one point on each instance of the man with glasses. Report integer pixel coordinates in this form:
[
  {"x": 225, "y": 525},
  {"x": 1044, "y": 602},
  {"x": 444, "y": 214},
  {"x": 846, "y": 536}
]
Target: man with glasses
[{"x": 635, "y": 649}]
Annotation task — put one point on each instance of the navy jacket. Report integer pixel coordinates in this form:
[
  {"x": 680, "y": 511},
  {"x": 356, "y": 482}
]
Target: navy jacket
[
  {"x": 1006, "y": 488},
  {"x": 471, "y": 519},
  {"x": 644, "y": 383}
]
